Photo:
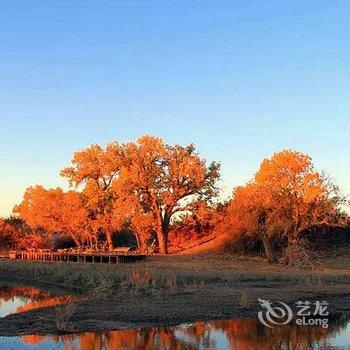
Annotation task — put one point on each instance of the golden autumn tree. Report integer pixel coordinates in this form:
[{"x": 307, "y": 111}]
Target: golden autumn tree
[
  {"x": 163, "y": 181},
  {"x": 55, "y": 211},
  {"x": 143, "y": 185},
  {"x": 286, "y": 196},
  {"x": 247, "y": 217},
  {"x": 94, "y": 170},
  {"x": 296, "y": 195}
]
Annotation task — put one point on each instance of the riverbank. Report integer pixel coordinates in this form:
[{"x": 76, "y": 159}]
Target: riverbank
[{"x": 167, "y": 291}]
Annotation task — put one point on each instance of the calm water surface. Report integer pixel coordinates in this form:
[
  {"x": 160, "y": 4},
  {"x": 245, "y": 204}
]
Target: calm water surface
[{"x": 240, "y": 334}]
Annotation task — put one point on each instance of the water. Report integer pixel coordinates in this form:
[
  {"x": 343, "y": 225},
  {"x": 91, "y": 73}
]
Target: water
[{"x": 241, "y": 334}]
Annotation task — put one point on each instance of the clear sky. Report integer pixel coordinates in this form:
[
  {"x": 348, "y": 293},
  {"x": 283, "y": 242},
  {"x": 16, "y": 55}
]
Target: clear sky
[{"x": 241, "y": 79}]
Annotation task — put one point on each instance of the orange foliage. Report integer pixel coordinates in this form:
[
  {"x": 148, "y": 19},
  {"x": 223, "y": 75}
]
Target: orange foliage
[
  {"x": 55, "y": 211},
  {"x": 144, "y": 186},
  {"x": 286, "y": 196},
  {"x": 161, "y": 182},
  {"x": 165, "y": 192},
  {"x": 96, "y": 169},
  {"x": 15, "y": 233}
]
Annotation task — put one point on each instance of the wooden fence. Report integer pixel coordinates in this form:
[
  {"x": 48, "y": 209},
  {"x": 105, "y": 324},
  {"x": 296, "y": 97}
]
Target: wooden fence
[{"x": 71, "y": 256}]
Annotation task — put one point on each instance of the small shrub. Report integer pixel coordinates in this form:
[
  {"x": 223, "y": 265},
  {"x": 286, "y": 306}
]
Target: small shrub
[
  {"x": 312, "y": 280},
  {"x": 298, "y": 255}
]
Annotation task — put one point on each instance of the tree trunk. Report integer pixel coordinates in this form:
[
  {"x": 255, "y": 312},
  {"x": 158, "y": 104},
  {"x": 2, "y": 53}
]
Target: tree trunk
[
  {"x": 268, "y": 248},
  {"x": 74, "y": 238},
  {"x": 76, "y": 241},
  {"x": 293, "y": 237},
  {"x": 138, "y": 241},
  {"x": 88, "y": 242},
  {"x": 163, "y": 237},
  {"x": 162, "y": 231},
  {"x": 109, "y": 241},
  {"x": 162, "y": 242}
]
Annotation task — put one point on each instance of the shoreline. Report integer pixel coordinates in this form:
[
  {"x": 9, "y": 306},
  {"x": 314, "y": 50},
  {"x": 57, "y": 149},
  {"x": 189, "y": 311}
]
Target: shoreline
[{"x": 203, "y": 294}]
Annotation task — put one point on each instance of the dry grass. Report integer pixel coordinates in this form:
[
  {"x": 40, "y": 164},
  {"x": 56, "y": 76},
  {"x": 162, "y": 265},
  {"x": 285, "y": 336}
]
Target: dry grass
[
  {"x": 244, "y": 300},
  {"x": 170, "y": 274},
  {"x": 313, "y": 281},
  {"x": 299, "y": 256},
  {"x": 63, "y": 315},
  {"x": 205, "y": 287}
]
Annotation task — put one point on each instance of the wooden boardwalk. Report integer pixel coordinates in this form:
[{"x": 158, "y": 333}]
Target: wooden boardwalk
[{"x": 82, "y": 257}]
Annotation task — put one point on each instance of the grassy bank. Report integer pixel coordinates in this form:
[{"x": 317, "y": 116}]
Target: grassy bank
[
  {"x": 165, "y": 273},
  {"x": 169, "y": 290}
]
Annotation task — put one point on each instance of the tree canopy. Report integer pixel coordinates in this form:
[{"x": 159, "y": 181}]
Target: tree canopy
[
  {"x": 143, "y": 185},
  {"x": 157, "y": 191},
  {"x": 55, "y": 211},
  {"x": 163, "y": 181},
  {"x": 285, "y": 197}
]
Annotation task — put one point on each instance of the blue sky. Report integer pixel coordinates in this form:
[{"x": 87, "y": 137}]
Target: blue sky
[{"x": 241, "y": 79}]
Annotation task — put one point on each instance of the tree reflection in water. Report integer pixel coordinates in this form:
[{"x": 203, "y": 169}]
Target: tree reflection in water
[
  {"x": 241, "y": 334},
  {"x": 32, "y": 298},
  {"x": 238, "y": 334}
]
